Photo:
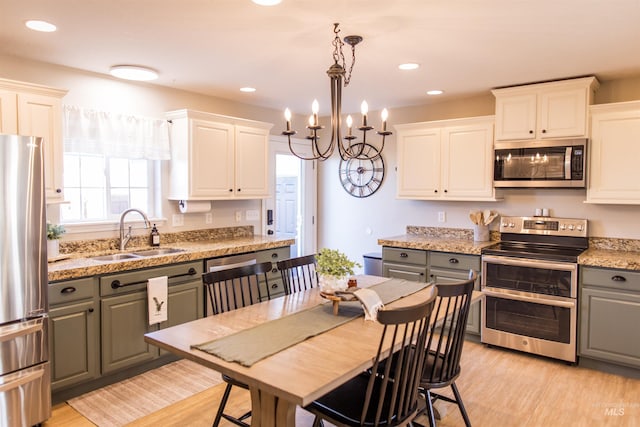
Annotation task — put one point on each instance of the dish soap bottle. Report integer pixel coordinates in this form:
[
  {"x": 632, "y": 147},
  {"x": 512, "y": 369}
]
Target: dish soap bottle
[{"x": 155, "y": 236}]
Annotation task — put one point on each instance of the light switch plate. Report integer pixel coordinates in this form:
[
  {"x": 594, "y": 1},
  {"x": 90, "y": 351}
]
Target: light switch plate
[
  {"x": 442, "y": 216},
  {"x": 238, "y": 216}
]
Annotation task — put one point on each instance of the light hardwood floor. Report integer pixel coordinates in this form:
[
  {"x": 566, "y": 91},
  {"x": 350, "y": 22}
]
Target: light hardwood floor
[{"x": 499, "y": 388}]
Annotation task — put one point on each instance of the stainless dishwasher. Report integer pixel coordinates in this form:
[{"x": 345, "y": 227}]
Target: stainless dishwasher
[{"x": 225, "y": 263}]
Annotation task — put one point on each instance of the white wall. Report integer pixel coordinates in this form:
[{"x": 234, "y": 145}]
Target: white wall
[
  {"x": 343, "y": 221},
  {"x": 354, "y": 225}
]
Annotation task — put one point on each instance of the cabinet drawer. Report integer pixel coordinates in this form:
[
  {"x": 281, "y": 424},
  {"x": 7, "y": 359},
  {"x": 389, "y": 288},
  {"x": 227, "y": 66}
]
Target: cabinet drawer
[
  {"x": 273, "y": 255},
  {"x": 276, "y": 288},
  {"x": 407, "y": 272},
  {"x": 608, "y": 278},
  {"x": 404, "y": 256},
  {"x": 72, "y": 290},
  {"x": 454, "y": 261},
  {"x": 114, "y": 284}
]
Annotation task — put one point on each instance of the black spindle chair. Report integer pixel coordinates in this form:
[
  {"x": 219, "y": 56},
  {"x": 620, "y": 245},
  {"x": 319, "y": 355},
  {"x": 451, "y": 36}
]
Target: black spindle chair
[
  {"x": 444, "y": 346},
  {"x": 228, "y": 290},
  {"x": 298, "y": 274},
  {"x": 391, "y": 398}
]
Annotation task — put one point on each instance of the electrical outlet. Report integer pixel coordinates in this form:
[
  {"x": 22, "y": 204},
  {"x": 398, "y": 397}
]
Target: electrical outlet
[
  {"x": 442, "y": 216},
  {"x": 208, "y": 218},
  {"x": 177, "y": 220},
  {"x": 238, "y": 216},
  {"x": 253, "y": 215}
]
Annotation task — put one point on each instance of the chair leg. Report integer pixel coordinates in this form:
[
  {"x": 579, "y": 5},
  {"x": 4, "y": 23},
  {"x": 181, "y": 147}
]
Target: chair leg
[
  {"x": 463, "y": 411},
  {"x": 223, "y": 403},
  {"x": 430, "y": 411}
]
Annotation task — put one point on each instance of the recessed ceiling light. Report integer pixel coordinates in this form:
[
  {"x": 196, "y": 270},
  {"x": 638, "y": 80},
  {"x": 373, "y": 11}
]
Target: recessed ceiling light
[
  {"x": 44, "y": 26},
  {"x": 133, "y": 72},
  {"x": 409, "y": 66},
  {"x": 247, "y": 89},
  {"x": 267, "y": 2},
  {"x": 435, "y": 92}
]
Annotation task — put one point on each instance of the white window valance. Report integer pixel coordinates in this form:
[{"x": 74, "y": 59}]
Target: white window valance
[{"x": 115, "y": 135}]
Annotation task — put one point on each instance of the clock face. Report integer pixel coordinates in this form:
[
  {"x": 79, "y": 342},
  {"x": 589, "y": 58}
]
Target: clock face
[{"x": 363, "y": 175}]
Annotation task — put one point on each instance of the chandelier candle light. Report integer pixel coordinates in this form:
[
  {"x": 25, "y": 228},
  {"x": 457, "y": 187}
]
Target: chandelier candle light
[{"x": 348, "y": 149}]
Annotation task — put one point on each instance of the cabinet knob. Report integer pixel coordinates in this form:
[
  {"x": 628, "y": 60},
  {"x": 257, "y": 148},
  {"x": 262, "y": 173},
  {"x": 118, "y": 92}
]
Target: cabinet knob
[
  {"x": 274, "y": 286},
  {"x": 618, "y": 279},
  {"x": 68, "y": 290},
  {"x": 453, "y": 260},
  {"x": 404, "y": 255},
  {"x": 231, "y": 190},
  {"x": 274, "y": 270},
  {"x": 531, "y": 132},
  {"x": 435, "y": 191},
  {"x": 446, "y": 191},
  {"x": 58, "y": 190},
  {"x": 274, "y": 255},
  {"x": 90, "y": 310},
  {"x": 239, "y": 190},
  {"x": 544, "y": 131}
]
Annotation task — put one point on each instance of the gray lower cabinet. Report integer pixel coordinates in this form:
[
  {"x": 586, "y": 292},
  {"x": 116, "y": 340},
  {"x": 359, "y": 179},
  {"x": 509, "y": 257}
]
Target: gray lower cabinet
[
  {"x": 408, "y": 264},
  {"x": 124, "y": 313},
  {"x": 445, "y": 267},
  {"x": 74, "y": 332},
  {"x": 276, "y": 287},
  {"x": 610, "y": 315}
]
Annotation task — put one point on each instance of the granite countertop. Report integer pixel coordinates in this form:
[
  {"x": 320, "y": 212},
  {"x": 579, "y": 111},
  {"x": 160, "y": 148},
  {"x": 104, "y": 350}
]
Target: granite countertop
[
  {"x": 610, "y": 258},
  {"x": 434, "y": 243},
  {"x": 603, "y": 252},
  {"x": 81, "y": 265}
]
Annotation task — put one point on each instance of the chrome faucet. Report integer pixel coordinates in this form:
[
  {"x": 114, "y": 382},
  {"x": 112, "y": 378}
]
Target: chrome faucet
[{"x": 124, "y": 238}]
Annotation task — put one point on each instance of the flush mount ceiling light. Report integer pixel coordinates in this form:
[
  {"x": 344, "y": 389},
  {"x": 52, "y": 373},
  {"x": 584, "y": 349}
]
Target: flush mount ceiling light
[
  {"x": 43, "y": 26},
  {"x": 247, "y": 89},
  {"x": 347, "y": 147},
  {"x": 133, "y": 72},
  {"x": 409, "y": 66},
  {"x": 435, "y": 92},
  {"x": 267, "y": 2}
]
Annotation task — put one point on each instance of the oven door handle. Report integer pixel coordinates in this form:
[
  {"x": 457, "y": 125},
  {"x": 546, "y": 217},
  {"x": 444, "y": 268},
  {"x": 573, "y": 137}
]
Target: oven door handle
[
  {"x": 535, "y": 300},
  {"x": 525, "y": 262}
]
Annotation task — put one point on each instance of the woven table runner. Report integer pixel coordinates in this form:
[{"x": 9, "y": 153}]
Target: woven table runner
[{"x": 251, "y": 345}]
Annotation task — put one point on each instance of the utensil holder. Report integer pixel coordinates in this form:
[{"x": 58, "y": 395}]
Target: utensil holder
[{"x": 481, "y": 233}]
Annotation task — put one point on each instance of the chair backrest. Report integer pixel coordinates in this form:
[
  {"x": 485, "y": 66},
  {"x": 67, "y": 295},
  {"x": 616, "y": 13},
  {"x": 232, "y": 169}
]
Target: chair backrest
[
  {"x": 393, "y": 394},
  {"x": 446, "y": 337},
  {"x": 298, "y": 274},
  {"x": 236, "y": 287}
]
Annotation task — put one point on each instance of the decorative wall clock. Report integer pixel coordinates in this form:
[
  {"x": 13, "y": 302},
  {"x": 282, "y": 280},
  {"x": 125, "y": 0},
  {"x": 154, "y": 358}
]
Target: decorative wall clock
[{"x": 362, "y": 176}]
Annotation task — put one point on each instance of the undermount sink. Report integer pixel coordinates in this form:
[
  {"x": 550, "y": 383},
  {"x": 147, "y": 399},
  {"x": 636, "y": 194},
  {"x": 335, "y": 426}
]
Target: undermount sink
[
  {"x": 115, "y": 257},
  {"x": 161, "y": 251}
]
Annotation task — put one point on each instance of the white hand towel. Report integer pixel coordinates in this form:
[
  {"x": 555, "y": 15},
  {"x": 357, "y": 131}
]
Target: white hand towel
[
  {"x": 157, "y": 295},
  {"x": 370, "y": 301}
]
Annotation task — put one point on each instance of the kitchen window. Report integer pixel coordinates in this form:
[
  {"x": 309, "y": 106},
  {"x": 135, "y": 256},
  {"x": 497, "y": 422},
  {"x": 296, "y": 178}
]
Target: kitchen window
[
  {"x": 112, "y": 163},
  {"x": 100, "y": 188}
]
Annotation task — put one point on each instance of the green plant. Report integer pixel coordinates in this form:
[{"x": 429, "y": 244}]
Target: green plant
[
  {"x": 332, "y": 262},
  {"x": 55, "y": 231}
]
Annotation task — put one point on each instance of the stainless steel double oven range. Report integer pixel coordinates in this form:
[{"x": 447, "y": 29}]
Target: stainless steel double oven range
[{"x": 530, "y": 284}]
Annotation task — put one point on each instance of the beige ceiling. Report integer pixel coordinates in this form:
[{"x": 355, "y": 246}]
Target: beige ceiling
[{"x": 465, "y": 47}]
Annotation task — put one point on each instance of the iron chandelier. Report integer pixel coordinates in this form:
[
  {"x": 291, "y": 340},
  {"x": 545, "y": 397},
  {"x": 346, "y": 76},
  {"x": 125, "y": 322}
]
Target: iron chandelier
[{"x": 347, "y": 147}]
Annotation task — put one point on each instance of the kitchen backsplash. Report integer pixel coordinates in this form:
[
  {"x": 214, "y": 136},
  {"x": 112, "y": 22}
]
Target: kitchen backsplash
[
  {"x": 113, "y": 244},
  {"x": 444, "y": 232}
]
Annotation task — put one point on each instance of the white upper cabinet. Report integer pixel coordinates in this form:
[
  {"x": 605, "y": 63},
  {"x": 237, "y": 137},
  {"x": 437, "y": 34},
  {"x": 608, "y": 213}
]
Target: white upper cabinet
[
  {"x": 34, "y": 110},
  {"x": 216, "y": 157},
  {"x": 446, "y": 160},
  {"x": 545, "y": 110},
  {"x": 614, "y": 175}
]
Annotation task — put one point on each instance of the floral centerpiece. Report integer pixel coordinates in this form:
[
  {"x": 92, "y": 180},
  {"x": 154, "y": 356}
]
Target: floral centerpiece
[
  {"x": 54, "y": 232},
  {"x": 334, "y": 269}
]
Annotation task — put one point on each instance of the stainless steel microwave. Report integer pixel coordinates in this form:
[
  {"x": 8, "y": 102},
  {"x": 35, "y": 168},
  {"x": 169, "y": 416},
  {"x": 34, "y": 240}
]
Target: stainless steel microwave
[{"x": 540, "y": 164}]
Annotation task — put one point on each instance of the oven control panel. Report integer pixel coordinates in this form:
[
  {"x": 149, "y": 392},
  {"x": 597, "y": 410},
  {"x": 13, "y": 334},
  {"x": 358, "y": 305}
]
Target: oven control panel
[{"x": 544, "y": 225}]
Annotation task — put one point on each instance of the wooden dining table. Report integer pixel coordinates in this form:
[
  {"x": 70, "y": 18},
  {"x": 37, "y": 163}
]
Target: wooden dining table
[{"x": 297, "y": 375}]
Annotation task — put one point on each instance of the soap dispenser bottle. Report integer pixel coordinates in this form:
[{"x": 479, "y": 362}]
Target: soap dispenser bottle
[{"x": 155, "y": 236}]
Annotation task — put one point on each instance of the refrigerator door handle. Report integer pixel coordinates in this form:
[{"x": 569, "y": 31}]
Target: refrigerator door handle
[
  {"x": 20, "y": 379},
  {"x": 11, "y": 332}
]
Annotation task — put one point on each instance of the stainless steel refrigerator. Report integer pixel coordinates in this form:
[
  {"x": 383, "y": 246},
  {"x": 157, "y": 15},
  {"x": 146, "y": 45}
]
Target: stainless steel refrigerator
[{"x": 25, "y": 382}]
